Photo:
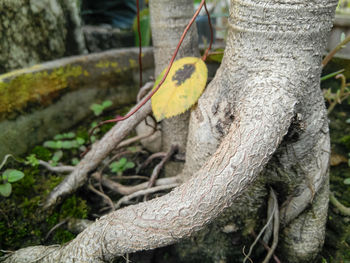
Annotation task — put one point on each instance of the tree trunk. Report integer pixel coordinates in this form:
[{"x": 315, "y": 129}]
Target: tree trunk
[
  {"x": 34, "y": 31},
  {"x": 277, "y": 53},
  {"x": 261, "y": 122},
  {"x": 168, "y": 20}
]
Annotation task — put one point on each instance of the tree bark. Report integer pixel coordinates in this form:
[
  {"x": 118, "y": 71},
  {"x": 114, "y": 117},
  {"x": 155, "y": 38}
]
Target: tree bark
[
  {"x": 264, "y": 41},
  {"x": 261, "y": 121},
  {"x": 168, "y": 20}
]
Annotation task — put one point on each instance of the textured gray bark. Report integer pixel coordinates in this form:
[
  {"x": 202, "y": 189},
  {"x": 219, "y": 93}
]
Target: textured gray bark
[
  {"x": 266, "y": 42},
  {"x": 168, "y": 20},
  {"x": 32, "y": 31},
  {"x": 261, "y": 121}
]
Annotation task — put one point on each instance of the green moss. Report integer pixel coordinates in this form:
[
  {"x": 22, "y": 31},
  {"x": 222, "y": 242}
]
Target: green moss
[
  {"x": 42, "y": 153},
  {"x": 19, "y": 88},
  {"x": 23, "y": 223}
]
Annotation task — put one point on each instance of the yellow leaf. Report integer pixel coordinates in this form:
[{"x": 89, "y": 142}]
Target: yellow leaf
[{"x": 181, "y": 89}]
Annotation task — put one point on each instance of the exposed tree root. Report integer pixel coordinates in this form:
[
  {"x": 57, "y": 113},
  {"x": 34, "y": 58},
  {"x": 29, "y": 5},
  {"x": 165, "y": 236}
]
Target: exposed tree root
[
  {"x": 127, "y": 198},
  {"x": 151, "y": 158},
  {"x": 270, "y": 219},
  {"x": 276, "y": 226},
  {"x": 127, "y": 190},
  {"x": 159, "y": 166},
  {"x": 277, "y": 260},
  {"x": 162, "y": 221},
  {"x": 54, "y": 228},
  {"x": 57, "y": 169},
  {"x": 342, "y": 208},
  {"x": 103, "y": 195},
  {"x": 98, "y": 152},
  {"x": 134, "y": 139}
]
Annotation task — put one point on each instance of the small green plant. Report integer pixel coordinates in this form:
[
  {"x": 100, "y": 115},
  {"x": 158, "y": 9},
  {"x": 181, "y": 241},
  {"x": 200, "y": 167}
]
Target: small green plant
[
  {"x": 8, "y": 176},
  {"x": 99, "y": 108},
  {"x": 75, "y": 161},
  {"x": 32, "y": 160},
  {"x": 56, "y": 158},
  {"x": 65, "y": 141},
  {"x": 120, "y": 166}
]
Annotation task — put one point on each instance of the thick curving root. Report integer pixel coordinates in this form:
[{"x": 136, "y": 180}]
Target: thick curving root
[{"x": 261, "y": 121}]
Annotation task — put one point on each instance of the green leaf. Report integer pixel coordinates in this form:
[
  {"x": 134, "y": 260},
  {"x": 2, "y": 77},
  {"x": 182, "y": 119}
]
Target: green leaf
[
  {"x": 70, "y": 144},
  {"x": 69, "y": 135},
  {"x": 80, "y": 140},
  {"x": 97, "y": 109},
  {"x": 331, "y": 75},
  {"x": 347, "y": 181},
  {"x": 217, "y": 55},
  {"x": 115, "y": 167},
  {"x": 122, "y": 161},
  {"x": 51, "y": 144},
  {"x": 32, "y": 160},
  {"x": 75, "y": 161},
  {"x": 57, "y": 156},
  {"x": 129, "y": 165},
  {"x": 12, "y": 175},
  {"x": 106, "y": 104},
  {"x": 5, "y": 189}
]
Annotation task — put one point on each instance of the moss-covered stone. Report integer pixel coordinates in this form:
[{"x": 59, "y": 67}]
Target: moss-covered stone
[{"x": 39, "y": 102}]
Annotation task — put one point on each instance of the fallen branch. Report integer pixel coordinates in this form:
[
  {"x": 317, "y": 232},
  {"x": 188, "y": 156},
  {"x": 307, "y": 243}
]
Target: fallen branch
[
  {"x": 144, "y": 192},
  {"x": 98, "y": 152}
]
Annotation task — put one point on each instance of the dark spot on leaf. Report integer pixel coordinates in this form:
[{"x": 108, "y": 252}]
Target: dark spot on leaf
[{"x": 184, "y": 73}]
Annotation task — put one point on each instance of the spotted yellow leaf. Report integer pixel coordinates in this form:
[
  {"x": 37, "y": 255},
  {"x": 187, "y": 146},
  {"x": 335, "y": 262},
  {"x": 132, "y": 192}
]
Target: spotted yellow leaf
[{"x": 181, "y": 89}]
